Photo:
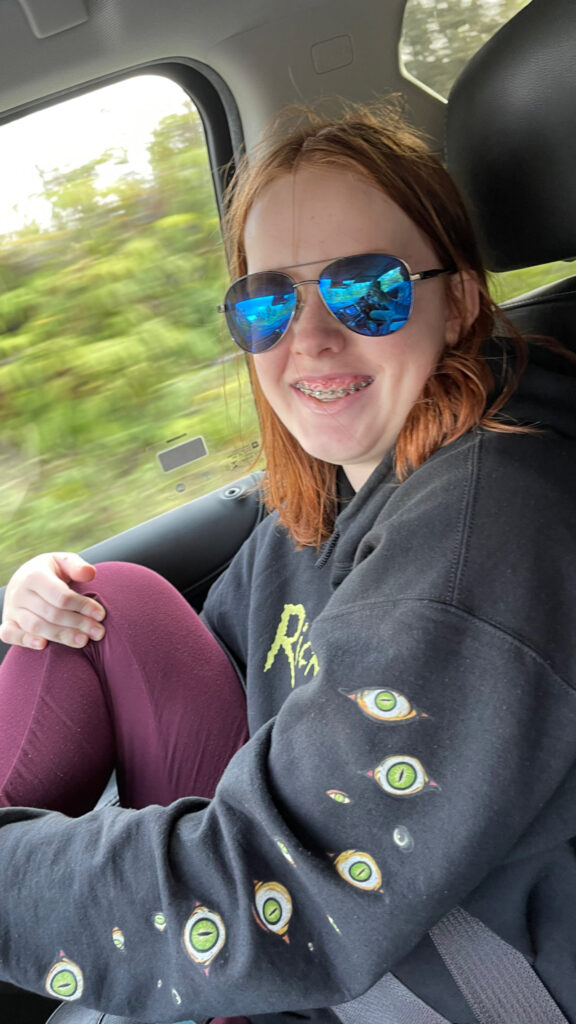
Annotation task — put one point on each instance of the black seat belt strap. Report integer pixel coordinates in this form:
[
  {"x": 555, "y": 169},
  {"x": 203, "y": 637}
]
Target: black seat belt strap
[
  {"x": 496, "y": 980},
  {"x": 388, "y": 1002}
]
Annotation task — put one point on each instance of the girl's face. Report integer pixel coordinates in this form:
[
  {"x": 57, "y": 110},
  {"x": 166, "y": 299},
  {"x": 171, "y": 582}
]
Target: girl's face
[{"x": 313, "y": 217}]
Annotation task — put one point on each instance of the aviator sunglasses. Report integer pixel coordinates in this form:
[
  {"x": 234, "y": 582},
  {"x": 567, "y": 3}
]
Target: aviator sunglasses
[{"x": 370, "y": 294}]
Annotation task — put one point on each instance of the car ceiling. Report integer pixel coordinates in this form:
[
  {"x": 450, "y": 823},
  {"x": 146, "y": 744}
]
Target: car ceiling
[{"x": 260, "y": 54}]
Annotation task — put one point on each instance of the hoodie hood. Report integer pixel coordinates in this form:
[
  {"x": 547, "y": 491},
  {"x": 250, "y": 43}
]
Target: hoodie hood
[{"x": 546, "y": 393}]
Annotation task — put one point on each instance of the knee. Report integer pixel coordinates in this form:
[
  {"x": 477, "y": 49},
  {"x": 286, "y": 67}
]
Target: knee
[
  {"x": 113, "y": 575},
  {"x": 141, "y": 606},
  {"x": 124, "y": 587}
]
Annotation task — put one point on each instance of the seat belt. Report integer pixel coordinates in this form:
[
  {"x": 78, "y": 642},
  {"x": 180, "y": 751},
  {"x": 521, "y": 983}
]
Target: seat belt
[
  {"x": 496, "y": 980},
  {"x": 388, "y": 1002}
]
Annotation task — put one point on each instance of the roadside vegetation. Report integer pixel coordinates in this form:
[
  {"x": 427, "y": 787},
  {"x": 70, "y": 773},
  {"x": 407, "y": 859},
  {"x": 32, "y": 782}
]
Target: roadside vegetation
[{"x": 112, "y": 349}]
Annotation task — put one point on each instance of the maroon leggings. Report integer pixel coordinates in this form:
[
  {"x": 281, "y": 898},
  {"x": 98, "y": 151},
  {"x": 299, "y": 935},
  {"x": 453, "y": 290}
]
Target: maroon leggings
[{"x": 157, "y": 699}]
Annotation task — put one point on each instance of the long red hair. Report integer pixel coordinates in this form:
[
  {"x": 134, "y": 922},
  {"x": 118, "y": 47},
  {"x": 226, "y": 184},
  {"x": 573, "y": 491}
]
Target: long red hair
[{"x": 376, "y": 142}]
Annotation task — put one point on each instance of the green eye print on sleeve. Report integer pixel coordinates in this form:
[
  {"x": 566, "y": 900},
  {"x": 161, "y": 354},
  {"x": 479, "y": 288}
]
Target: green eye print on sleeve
[
  {"x": 65, "y": 980},
  {"x": 359, "y": 869},
  {"x": 204, "y": 935},
  {"x": 386, "y": 706},
  {"x": 402, "y": 776},
  {"x": 339, "y": 796},
  {"x": 273, "y": 907}
]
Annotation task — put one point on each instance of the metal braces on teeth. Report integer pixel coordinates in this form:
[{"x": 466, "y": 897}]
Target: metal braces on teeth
[{"x": 330, "y": 395}]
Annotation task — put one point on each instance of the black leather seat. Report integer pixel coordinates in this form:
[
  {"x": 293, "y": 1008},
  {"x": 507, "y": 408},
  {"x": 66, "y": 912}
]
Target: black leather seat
[{"x": 511, "y": 146}]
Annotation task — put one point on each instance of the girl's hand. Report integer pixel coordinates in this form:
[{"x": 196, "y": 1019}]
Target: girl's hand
[{"x": 40, "y": 606}]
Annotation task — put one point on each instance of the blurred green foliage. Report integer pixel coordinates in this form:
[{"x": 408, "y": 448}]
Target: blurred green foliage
[{"x": 111, "y": 348}]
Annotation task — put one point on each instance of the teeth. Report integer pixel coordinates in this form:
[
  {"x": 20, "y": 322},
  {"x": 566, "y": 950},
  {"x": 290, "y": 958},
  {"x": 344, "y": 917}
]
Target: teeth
[{"x": 331, "y": 395}]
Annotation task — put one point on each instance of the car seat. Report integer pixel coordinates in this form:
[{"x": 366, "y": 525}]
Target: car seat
[{"x": 511, "y": 147}]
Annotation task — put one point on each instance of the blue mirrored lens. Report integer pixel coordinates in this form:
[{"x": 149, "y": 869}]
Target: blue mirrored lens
[
  {"x": 371, "y": 295},
  {"x": 258, "y": 310}
]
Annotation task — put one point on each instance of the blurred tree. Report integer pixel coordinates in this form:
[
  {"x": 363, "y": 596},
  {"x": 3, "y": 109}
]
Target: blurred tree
[
  {"x": 110, "y": 342},
  {"x": 177, "y": 154},
  {"x": 73, "y": 194}
]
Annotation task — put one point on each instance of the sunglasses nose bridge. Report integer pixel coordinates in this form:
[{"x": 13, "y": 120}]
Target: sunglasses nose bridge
[
  {"x": 300, "y": 300},
  {"x": 309, "y": 280}
]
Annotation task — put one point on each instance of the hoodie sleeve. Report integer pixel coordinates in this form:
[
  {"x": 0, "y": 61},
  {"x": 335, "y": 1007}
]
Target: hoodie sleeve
[{"x": 339, "y": 834}]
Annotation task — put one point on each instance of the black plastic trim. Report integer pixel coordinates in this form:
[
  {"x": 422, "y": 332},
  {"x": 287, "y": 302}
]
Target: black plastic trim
[{"x": 209, "y": 93}]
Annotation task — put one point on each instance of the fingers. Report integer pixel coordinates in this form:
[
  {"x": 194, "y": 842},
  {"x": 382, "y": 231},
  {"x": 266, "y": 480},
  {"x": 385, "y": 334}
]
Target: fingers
[
  {"x": 11, "y": 633},
  {"x": 75, "y": 568},
  {"x": 32, "y": 629},
  {"x": 38, "y": 619},
  {"x": 41, "y": 606},
  {"x": 51, "y": 598}
]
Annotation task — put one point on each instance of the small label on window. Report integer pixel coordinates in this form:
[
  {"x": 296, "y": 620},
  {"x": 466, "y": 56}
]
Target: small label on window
[{"x": 182, "y": 454}]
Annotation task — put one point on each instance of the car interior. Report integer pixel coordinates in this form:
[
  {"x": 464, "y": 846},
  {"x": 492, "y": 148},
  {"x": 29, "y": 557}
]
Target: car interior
[{"x": 506, "y": 129}]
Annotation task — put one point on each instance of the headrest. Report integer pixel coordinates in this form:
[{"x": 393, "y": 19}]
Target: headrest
[{"x": 511, "y": 138}]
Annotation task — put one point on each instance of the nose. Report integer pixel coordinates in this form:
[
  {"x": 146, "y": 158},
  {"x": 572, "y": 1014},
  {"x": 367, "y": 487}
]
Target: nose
[{"x": 314, "y": 329}]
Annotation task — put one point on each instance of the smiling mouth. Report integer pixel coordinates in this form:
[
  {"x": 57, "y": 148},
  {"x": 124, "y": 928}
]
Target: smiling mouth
[{"x": 332, "y": 394}]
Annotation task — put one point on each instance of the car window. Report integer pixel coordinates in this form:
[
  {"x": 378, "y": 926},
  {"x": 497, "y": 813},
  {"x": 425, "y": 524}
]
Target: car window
[
  {"x": 121, "y": 391},
  {"x": 440, "y": 36},
  {"x": 513, "y": 283}
]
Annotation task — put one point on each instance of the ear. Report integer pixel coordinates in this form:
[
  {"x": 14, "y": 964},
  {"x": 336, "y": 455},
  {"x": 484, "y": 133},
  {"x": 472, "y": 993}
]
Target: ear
[{"x": 462, "y": 304}]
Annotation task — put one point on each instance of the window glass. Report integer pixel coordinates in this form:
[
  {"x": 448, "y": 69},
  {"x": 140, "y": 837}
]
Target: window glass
[
  {"x": 512, "y": 283},
  {"x": 440, "y": 36},
  {"x": 121, "y": 391}
]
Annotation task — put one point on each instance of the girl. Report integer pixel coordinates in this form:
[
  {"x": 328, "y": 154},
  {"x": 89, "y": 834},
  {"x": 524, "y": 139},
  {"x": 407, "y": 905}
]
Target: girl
[{"x": 401, "y": 624}]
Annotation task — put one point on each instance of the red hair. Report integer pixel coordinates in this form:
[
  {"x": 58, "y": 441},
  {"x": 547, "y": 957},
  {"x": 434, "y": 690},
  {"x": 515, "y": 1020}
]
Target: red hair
[{"x": 375, "y": 142}]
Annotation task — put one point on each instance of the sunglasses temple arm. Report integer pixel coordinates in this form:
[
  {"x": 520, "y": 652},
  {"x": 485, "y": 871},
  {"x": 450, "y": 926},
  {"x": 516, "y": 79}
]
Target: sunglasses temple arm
[{"x": 425, "y": 274}]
